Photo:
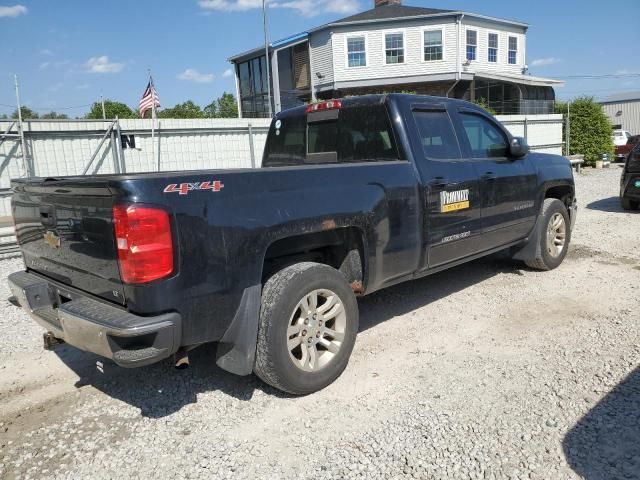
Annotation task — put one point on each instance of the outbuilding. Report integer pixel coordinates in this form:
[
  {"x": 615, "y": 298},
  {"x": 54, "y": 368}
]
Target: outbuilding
[{"x": 623, "y": 110}]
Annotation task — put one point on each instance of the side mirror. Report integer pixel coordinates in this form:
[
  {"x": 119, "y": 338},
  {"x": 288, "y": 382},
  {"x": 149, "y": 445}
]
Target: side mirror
[{"x": 518, "y": 147}]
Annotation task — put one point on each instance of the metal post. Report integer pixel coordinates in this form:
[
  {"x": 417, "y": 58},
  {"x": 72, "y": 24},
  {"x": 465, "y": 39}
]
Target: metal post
[
  {"x": 114, "y": 153},
  {"x": 104, "y": 114},
  {"x": 568, "y": 128},
  {"x": 23, "y": 149},
  {"x": 123, "y": 164},
  {"x": 251, "y": 147},
  {"x": 266, "y": 52},
  {"x": 95, "y": 154},
  {"x": 526, "y": 128}
]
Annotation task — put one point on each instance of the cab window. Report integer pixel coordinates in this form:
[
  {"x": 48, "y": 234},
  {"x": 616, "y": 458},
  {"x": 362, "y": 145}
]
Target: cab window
[
  {"x": 485, "y": 139},
  {"x": 438, "y": 139}
]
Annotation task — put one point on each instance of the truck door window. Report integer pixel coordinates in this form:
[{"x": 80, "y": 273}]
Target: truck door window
[
  {"x": 438, "y": 139},
  {"x": 485, "y": 139},
  {"x": 365, "y": 135}
]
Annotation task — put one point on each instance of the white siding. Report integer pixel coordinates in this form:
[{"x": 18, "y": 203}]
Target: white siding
[
  {"x": 629, "y": 119},
  {"x": 322, "y": 58},
  {"x": 504, "y": 32},
  {"x": 414, "y": 51}
]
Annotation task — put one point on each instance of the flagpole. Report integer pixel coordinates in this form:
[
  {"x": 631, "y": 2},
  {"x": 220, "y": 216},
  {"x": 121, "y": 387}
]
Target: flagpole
[{"x": 153, "y": 120}]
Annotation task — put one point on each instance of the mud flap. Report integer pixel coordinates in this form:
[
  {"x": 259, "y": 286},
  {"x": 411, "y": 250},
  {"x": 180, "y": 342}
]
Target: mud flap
[
  {"x": 237, "y": 350},
  {"x": 531, "y": 249}
]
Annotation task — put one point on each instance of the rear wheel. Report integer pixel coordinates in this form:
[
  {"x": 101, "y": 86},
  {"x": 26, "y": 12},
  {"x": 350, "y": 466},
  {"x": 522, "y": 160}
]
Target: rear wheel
[
  {"x": 554, "y": 236},
  {"x": 628, "y": 204},
  {"x": 308, "y": 327}
]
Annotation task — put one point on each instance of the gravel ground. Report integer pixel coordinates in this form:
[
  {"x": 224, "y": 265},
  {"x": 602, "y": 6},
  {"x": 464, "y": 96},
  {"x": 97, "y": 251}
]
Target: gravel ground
[{"x": 489, "y": 370}]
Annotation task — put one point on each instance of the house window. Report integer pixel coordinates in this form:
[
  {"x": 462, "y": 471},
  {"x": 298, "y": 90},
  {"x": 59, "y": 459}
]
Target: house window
[
  {"x": 356, "y": 52},
  {"x": 432, "y": 45},
  {"x": 394, "y": 48},
  {"x": 472, "y": 44},
  {"x": 513, "y": 50},
  {"x": 493, "y": 47}
]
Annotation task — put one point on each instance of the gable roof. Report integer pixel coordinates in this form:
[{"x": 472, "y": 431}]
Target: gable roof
[{"x": 387, "y": 12}]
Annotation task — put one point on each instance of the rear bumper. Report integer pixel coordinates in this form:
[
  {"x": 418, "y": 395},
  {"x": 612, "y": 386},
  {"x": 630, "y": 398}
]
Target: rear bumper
[{"x": 128, "y": 339}]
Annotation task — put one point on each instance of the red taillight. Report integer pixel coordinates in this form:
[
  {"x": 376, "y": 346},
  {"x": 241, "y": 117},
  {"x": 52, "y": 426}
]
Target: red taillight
[
  {"x": 145, "y": 247},
  {"x": 319, "y": 107}
]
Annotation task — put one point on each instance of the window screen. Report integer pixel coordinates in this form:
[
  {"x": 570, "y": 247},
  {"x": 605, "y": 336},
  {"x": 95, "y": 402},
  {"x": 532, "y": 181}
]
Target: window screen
[
  {"x": 438, "y": 139},
  {"x": 485, "y": 139}
]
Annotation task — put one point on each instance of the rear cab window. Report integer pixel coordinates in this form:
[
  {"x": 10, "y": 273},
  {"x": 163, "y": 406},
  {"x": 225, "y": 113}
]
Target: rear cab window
[{"x": 353, "y": 133}]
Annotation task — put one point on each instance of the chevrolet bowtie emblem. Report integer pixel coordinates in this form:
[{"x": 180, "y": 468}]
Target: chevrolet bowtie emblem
[{"x": 52, "y": 239}]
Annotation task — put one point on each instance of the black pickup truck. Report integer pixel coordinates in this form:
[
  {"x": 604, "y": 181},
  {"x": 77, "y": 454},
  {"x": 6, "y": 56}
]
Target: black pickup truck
[{"x": 354, "y": 195}]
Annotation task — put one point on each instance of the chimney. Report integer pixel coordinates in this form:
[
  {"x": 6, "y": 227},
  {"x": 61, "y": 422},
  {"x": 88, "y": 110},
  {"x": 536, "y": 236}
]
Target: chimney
[{"x": 382, "y": 3}]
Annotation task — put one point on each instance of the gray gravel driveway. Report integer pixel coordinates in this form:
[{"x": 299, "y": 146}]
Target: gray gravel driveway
[{"x": 488, "y": 370}]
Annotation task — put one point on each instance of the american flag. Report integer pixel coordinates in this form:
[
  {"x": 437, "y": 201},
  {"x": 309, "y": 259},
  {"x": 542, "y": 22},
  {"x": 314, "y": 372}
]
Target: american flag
[{"x": 149, "y": 100}]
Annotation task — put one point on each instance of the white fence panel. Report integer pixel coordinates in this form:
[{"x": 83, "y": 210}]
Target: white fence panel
[{"x": 64, "y": 147}]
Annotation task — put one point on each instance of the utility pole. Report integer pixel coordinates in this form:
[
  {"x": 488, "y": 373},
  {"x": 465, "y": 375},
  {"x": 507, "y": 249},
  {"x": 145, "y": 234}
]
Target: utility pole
[{"x": 266, "y": 52}]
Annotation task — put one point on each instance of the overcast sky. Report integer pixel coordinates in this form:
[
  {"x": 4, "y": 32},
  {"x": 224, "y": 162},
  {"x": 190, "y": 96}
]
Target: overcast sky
[{"x": 68, "y": 52}]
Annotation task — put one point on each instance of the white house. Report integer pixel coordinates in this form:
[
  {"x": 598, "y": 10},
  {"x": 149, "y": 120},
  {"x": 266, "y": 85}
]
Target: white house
[{"x": 393, "y": 48}]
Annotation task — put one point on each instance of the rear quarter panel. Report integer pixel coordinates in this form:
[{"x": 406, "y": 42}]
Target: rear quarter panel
[{"x": 223, "y": 236}]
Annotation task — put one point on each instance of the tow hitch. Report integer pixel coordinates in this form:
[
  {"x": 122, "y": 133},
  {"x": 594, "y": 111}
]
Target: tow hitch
[{"x": 50, "y": 341}]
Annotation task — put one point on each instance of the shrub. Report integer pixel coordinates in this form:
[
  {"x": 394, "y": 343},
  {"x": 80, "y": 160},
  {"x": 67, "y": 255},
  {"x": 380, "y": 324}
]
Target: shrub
[{"x": 589, "y": 130}]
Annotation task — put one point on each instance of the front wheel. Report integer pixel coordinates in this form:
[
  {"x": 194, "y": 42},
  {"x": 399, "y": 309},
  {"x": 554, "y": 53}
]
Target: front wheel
[
  {"x": 308, "y": 326},
  {"x": 554, "y": 236}
]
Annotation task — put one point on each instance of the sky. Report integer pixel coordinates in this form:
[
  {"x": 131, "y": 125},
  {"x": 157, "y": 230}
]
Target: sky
[{"x": 67, "y": 53}]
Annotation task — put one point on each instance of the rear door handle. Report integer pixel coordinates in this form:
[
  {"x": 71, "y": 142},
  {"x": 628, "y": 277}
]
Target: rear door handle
[{"x": 488, "y": 177}]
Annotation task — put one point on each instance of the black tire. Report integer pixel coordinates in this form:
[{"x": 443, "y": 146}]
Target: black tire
[
  {"x": 280, "y": 296},
  {"x": 543, "y": 259},
  {"x": 628, "y": 204}
]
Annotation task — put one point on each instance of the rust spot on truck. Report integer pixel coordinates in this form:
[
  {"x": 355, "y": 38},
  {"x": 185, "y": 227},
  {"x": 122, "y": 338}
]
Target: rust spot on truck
[
  {"x": 357, "y": 287},
  {"x": 329, "y": 225}
]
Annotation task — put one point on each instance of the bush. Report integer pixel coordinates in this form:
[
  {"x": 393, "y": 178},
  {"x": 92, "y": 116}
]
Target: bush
[{"x": 589, "y": 130}]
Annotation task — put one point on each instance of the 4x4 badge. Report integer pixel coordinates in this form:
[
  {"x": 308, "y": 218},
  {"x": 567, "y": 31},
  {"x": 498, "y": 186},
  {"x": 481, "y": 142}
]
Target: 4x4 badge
[
  {"x": 51, "y": 239},
  {"x": 185, "y": 188}
]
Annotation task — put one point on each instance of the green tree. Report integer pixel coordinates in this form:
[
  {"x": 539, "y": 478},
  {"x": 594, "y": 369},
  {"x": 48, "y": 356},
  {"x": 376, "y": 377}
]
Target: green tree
[
  {"x": 227, "y": 106},
  {"x": 211, "y": 110},
  {"x": 54, "y": 116},
  {"x": 112, "y": 110},
  {"x": 589, "y": 130},
  {"x": 187, "y": 109},
  {"x": 27, "y": 113}
]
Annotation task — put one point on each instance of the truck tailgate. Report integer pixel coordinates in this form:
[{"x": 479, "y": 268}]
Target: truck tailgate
[{"x": 66, "y": 233}]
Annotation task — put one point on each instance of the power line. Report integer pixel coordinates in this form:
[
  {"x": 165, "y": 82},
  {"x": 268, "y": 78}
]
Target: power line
[{"x": 596, "y": 77}]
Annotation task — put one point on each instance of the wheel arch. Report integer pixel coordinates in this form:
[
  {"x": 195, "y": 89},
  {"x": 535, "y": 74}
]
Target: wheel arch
[{"x": 343, "y": 248}]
